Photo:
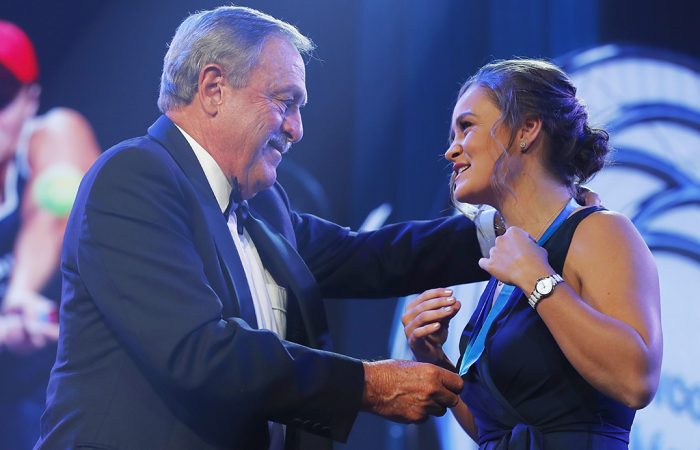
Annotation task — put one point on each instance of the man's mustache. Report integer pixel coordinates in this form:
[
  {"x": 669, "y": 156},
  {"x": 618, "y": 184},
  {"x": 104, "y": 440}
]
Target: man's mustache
[{"x": 280, "y": 143}]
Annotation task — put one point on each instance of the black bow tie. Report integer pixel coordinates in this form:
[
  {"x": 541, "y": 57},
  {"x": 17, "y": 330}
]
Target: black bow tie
[{"x": 240, "y": 207}]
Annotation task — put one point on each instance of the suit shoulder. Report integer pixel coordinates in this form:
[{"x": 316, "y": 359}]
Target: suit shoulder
[
  {"x": 140, "y": 154},
  {"x": 136, "y": 161}
]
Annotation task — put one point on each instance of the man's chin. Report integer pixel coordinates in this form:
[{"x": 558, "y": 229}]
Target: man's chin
[{"x": 259, "y": 187}]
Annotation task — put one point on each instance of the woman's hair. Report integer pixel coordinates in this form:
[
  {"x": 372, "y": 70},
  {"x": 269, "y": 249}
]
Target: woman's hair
[
  {"x": 533, "y": 88},
  {"x": 9, "y": 87}
]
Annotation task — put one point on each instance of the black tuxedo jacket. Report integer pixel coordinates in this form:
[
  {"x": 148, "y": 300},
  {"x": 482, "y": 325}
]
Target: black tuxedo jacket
[{"x": 153, "y": 353}]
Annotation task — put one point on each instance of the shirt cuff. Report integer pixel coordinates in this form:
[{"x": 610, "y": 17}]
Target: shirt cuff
[{"x": 485, "y": 230}]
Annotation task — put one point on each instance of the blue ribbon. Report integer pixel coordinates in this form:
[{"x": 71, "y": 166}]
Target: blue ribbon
[{"x": 476, "y": 345}]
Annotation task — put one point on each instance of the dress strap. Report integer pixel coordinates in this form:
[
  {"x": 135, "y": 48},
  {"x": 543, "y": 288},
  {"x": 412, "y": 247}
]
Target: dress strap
[{"x": 558, "y": 245}]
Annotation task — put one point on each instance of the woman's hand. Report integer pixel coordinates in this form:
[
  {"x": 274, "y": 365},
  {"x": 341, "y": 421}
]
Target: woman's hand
[
  {"x": 27, "y": 322},
  {"x": 426, "y": 321},
  {"x": 516, "y": 259}
]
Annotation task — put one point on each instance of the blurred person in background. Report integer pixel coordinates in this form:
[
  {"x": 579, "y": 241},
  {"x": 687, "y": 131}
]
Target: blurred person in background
[{"x": 42, "y": 159}]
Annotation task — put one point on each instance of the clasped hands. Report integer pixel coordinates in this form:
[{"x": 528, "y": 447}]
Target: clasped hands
[{"x": 27, "y": 322}]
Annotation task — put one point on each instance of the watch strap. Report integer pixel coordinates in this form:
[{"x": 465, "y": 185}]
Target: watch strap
[{"x": 535, "y": 296}]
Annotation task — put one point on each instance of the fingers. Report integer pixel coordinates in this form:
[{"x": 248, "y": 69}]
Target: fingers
[
  {"x": 23, "y": 336},
  {"x": 434, "y": 409},
  {"x": 406, "y": 391},
  {"x": 426, "y": 317},
  {"x": 47, "y": 330},
  {"x": 512, "y": 245},
  {"x": 451, "y": 381},
  {"x": 515, "y": 258},
  {"x": 484, "y": 263},
  {"x": 16, "y": 336},
  {"x": 439, "y": 310},
  {"x": 428, "y": 295},
  {"x": 424, "y": 331},
  {"x": 452, "y": 384},
  {"x": 587, "y": 197},
  {"x": 428, "y": 300},
  {"x": 426, "y": 321},
  {"x": 513, "y": 233},
  {"x": 433, "y": 321},
  {"x": 593, "y": 199}
]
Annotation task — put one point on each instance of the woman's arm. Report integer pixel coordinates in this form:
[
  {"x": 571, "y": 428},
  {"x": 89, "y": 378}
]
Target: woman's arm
[
  {"x": 426, "y": 322},
  {"x": 606, "y": 317},
  {"x": 465, "y": 418},
  {"x": 62, "y": 140}
]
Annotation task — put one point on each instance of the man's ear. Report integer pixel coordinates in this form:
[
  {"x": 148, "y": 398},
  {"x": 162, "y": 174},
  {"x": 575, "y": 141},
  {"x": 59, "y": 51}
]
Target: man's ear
[
  {"x": 529, "y": 133},
  {"x": 210, "y": 88}
]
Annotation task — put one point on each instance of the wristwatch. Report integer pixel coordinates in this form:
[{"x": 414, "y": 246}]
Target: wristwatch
[{"x": 544, "y": 288}]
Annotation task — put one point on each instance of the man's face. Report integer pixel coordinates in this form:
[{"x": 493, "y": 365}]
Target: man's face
[
  {"x": 12, "y": 118},
  {"x": 258, "y": 123}
]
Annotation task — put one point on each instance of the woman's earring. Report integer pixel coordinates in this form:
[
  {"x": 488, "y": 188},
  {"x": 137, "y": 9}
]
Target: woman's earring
[{"x": 523, "y": 146}]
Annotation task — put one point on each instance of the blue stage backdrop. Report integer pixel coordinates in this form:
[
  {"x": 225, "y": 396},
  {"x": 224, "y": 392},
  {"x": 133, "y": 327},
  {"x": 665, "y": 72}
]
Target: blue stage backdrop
[{"x": 381, "y": 90}]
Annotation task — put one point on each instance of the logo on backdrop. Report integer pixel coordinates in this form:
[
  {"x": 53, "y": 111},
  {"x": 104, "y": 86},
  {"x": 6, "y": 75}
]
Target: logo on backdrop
[{"x": 648, "y": 100}]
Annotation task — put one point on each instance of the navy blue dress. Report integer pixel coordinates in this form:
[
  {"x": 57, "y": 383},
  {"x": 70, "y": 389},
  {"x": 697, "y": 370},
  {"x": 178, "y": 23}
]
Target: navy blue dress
[{"x": 523, "y": 392}]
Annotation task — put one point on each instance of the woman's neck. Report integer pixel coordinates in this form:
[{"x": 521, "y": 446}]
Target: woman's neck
[{"x": 535, "y": 205}]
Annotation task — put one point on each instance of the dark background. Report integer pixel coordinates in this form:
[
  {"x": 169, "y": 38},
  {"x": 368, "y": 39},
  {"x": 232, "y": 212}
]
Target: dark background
[{"x": 381, "y": 89}]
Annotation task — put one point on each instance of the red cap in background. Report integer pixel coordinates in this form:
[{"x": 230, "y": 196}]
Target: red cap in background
[{"x": 17, "y": 53}]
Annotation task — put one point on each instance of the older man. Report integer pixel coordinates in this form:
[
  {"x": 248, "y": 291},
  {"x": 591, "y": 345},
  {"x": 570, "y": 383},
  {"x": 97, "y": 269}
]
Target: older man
[{"x": 188, "y": 316}]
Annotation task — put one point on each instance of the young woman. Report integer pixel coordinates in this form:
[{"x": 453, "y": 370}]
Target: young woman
[
  {"x": 42, "y": 159},
  {"x": 565, "y": 343}
]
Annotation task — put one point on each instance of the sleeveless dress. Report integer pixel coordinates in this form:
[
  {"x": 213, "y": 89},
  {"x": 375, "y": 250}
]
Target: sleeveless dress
[
  {"x": 10, "y": 216},
  {"x": 523, "y": 392}
]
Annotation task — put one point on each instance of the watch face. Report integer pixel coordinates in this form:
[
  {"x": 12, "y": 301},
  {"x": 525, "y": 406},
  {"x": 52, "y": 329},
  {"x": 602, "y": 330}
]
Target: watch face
[{"x": 544, "y": 286}]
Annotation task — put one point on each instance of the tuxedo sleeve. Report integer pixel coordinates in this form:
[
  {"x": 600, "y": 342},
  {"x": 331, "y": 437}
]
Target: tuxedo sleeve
[
  {"x": 138, "y": 258},
  {"x": 395, "y": 260}
]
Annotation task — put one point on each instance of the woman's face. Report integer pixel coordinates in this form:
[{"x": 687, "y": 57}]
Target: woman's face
[{"x": 473, "y": 150}]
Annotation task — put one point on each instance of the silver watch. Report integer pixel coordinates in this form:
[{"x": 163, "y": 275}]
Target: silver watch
[{"x": 544, "y": 288}]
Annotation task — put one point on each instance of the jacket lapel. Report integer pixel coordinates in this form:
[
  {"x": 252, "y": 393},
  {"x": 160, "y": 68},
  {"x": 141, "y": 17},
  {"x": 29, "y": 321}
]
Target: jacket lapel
[
  {"x": 167, "y": 134},
  {"x": 287, "y": 267}
]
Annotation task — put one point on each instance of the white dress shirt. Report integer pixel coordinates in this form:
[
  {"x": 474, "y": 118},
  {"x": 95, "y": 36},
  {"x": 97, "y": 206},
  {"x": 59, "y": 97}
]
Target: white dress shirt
[
  {"x": 269, "y": 299},
  {"x": 485, "y": 231}
]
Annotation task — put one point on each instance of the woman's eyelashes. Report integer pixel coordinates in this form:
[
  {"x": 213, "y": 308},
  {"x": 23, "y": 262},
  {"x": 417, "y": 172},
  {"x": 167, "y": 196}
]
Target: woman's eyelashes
[
  {"x": 459, "y": 131},
  {"x": 464, "y": 125}
]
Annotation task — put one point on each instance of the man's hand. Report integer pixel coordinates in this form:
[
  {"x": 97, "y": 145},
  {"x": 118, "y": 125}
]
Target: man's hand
[
  {"x": 407, "y": 391},
  {"x": 587, "y": 197}
]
